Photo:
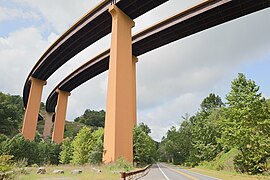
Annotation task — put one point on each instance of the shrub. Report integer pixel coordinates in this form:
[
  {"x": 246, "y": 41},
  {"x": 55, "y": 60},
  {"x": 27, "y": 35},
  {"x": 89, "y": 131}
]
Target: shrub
[
  {"x": 144, "y": 147},
  {"x": 82, "y": 146},
  {"x": 48, "y": 152},
  {"x": 3, "y": 138},
  {"x": 65, "y": 155},
  {"x": 22, "y": 149},
  {"x": 5, "y": 163},
  {"x": 97, "y": 146},
  {"x": 87, "y": 146},
  {"x": 34, "y": 152},
  {"x": 121, "y": 164}
]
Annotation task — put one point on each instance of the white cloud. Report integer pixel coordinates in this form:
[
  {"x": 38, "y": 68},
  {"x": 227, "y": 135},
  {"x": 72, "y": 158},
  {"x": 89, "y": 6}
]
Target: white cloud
[
  {"x": 15, "y": 13},
  {"x": 91, "y": 95},
  {"x": 19, "y": 52},
  {"x": 60, "y": 14},
  {"x": 169, "y": 114},
  {"x": 265, "y": 96}
]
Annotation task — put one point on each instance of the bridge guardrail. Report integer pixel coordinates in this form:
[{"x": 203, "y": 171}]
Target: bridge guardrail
[{"x": 124, "y": 175}]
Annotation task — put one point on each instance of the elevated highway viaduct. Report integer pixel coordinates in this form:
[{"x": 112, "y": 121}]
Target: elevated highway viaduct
[
  {"x": 198, "y": 18},
  {"x": 90, "y": 28}
]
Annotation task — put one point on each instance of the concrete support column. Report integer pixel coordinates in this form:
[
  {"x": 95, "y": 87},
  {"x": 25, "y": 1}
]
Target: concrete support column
[
  {"x": 134, "y": 96},
  {"x": 32, "y": 109},
  {"x": 119, "y": 120},
  {"x": 60, "y": 116},
  {"x": 48, "y": 125}
]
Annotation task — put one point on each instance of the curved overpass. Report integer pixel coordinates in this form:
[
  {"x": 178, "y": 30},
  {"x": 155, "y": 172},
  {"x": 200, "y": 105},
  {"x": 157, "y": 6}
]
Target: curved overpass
[
  {"x": 93, "y": 26},
  {"x": 198, "y": 18}
]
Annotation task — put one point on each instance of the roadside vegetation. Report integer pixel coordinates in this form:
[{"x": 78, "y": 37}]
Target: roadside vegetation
[
  {"x": 232, "y": 136},
  {"x": 81, "y": 148}
]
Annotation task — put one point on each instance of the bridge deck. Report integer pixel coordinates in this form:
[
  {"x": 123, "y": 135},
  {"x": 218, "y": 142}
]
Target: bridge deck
[
  {"x": 89, "y": 29},
  {"x": 198, "y": 18}
]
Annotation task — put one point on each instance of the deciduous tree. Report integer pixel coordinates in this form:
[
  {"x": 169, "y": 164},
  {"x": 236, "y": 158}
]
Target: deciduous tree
[{"x": 246, "y": 125}]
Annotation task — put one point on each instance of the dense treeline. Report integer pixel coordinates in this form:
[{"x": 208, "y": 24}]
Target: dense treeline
[
  {"x": 83, "y": 143},
  {"x": 11, "y": 114},
  {"x": 92, "y": 118},
  {"x": 144, "y": 147},
  {"x": 85, "y": 147},
  {"x": 39, "y": 151},
  {"x": 242, "y": 124}
]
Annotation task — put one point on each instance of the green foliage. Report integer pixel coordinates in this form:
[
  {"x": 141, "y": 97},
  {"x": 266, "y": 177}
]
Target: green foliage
[
  {"x": 172, "y": 145},
  {"x": 48, "y": 152},
  {"x": 22, "y": 149},
  {"x": 223, "y": 161},
  {"x": 72, "y": 129},
  {"x": 205, "y": 130},
  {"x": 81, "y": 146},
  {"x": 92, "y": 118},
  {"x": 66, "y": 151},
  {"x": 5, "y": 163},
  {"x": 11, "y": 114},
  {"x": 195, "y": 140},
  {"x": 204, "y": 133},
  {"x": 246, "y": 125},
  {"x": 121, "y": 164},
  {"x": 145, "y": 128},
  {"x": 268, "y": 104},
  {"x": 177, "y": 145},
  {"x": 34, "y": 152},
  {"x": 211, "y": 103},
  {"x": 144, "y": 147},
  {"x": 3, "y": 138},
  {"x": 87, "y": 146},
  {"x": 97, "y": 146}
]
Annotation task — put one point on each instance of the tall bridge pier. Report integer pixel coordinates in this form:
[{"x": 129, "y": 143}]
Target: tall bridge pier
[
  {"x": 121, "y": 98},
  {"x": 48, "y": 124},
  {"x": 32, "y": 109},
  {"x": 60, "y": 116}
]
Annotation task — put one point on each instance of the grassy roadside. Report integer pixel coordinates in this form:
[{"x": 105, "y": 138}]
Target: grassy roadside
[
  {"x": 224, "y": 175},
  {"x": 227, "y": 175},
  {"x": 88, "y": 172},
  {"x": 223, "y": 167}
]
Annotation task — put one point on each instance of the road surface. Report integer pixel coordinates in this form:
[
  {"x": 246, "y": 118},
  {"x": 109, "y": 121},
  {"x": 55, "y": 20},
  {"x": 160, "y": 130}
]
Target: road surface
[{"x": 162, "y": 171}]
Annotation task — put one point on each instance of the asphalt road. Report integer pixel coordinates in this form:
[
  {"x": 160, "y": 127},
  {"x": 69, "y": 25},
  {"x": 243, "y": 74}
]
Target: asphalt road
[{"x": 162, "y": 171}]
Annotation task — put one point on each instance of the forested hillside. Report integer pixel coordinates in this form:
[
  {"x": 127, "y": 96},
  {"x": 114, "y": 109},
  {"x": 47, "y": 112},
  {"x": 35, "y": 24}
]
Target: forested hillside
[
  {"x": 240, "y": 128},
  {"x": 11, "y": 114}
]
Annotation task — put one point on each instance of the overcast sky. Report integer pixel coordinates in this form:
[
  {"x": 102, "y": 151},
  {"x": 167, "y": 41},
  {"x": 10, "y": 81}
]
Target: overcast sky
[{"x": 171, "y": 80}]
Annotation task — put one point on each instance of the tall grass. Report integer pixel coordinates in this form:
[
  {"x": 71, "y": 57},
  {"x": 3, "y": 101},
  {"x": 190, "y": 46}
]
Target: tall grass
[{"x": 223, "y": 161}]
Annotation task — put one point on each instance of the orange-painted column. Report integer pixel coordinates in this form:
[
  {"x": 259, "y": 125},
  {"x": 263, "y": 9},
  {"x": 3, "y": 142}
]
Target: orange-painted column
[
  {"x": 118, "y": 139},
  {"x": 134, "y": 96},
  {"x": 32, "y": 109},
  {"x": 60, "y": 116},
  {"x": 48, "y": 125}
]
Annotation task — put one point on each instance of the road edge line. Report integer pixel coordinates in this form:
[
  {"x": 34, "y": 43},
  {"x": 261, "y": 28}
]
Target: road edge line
[{"x": 166, "y": 177}]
